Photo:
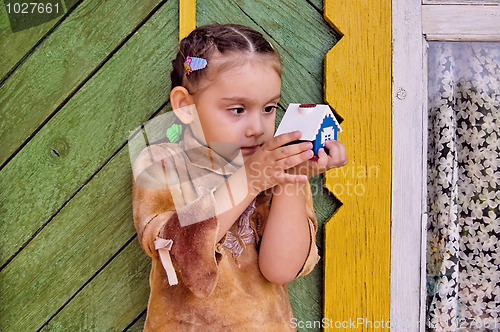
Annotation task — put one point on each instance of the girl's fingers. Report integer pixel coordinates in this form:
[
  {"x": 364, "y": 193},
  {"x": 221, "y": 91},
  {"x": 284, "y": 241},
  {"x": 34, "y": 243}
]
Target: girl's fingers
[
  {"x": 322, "y": 158},
  {"x": 337, "y": 153},
  {"x": 295, "y": 159},
  {"x": 292, "y": 150},
  {"x": 283, "y": 139}
]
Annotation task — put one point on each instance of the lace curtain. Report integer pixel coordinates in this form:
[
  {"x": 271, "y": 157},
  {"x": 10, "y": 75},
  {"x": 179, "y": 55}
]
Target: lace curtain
[{"x": 463, "y": 251}]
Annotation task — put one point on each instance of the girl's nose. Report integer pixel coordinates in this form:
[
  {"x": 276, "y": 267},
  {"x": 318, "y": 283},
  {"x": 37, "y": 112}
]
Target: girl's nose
[{"x": 255, "y": 126}]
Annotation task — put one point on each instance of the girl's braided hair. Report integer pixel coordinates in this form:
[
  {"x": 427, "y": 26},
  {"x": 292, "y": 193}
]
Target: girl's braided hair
[{"x": 212, "y": 41}]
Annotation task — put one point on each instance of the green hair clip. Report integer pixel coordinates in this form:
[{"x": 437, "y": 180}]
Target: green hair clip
[{"x": 174, "y": 132}]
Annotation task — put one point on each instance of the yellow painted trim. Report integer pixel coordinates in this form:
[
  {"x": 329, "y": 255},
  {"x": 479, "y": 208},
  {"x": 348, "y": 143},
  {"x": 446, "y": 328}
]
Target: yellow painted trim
[
  {"x": 187, "y": 17},
  {"x": 357, "y": 237}
]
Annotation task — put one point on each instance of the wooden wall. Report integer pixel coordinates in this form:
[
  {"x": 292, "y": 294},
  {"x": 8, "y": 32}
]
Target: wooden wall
[
  {"x": 71, "y": 91},
  {"x": 74, "y": 89}
]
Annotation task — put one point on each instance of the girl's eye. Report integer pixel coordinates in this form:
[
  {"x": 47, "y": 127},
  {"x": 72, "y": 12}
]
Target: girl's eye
[
  {"x": 237, "y": 110},
  {"x": 269, "y": 109}
]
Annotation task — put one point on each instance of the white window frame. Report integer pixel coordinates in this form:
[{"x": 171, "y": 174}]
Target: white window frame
[
  {"x": 413, "y": 24},
  {"x": 326, "y": 134}
]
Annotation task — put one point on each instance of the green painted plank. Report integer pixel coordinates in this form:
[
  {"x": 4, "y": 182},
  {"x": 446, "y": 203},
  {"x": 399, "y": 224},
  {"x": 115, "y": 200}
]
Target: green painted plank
[
  {"x": 14, "y": 46},
  {"x": 138, "y": 326},
  {"x": 62, "y": 62},
  {"x": 306, "y": 296},
  {"x": 318, "y": 4},
  {"x": 113, "y": 299},
  {"x": 74, "y": 144}
]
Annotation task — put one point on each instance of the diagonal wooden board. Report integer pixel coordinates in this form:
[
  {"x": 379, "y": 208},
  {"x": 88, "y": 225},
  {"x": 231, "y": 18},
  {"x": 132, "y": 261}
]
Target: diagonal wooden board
[
  {"x": 15, "y": 46},
  {"x": 59, "y": 66}
]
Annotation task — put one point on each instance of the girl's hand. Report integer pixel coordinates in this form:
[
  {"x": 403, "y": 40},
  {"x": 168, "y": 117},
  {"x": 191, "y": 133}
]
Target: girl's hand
[
  {"x": 267, "y": 166},
  {"x": 336, "y": 157}
]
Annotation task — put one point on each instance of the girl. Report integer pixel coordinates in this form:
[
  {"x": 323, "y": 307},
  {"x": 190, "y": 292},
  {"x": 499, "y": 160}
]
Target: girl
[{"x": 226, "y": 214}]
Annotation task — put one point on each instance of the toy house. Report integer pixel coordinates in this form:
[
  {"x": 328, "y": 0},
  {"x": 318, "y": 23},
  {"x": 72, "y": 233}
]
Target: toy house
[{"x": 316, "y": 122}]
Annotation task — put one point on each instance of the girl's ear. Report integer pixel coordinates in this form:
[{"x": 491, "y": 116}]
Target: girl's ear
[{"x": 182, "y": 104}]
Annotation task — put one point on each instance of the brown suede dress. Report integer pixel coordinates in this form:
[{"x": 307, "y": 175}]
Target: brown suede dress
[{"x": 220, "y": 286}]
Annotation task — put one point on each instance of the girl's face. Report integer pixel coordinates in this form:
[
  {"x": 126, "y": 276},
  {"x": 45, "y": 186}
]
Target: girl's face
[{"x": 238, "y": 107}]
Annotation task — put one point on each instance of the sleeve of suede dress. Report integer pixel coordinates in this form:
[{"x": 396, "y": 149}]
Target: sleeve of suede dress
[{"x": 193, "y": 246}]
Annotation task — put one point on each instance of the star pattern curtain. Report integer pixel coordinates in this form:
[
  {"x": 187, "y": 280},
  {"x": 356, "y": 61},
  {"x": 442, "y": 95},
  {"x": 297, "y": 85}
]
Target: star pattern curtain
[{"x": 463, "y": 252}]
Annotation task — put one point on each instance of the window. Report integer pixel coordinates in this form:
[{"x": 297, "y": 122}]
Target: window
[
  {"x": 326, "y": 134},
  {"x": 414, "y": 26}
]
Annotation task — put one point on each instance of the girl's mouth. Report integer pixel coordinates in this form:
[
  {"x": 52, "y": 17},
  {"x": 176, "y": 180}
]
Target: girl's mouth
[{"x": 249, "y": 149}]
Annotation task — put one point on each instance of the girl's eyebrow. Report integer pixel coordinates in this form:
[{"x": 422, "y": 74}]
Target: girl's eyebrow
[
  {"x": 244, "y": 99},
  {"x": 277, "y": 97},
  {"x": 236, "y": 99}
]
